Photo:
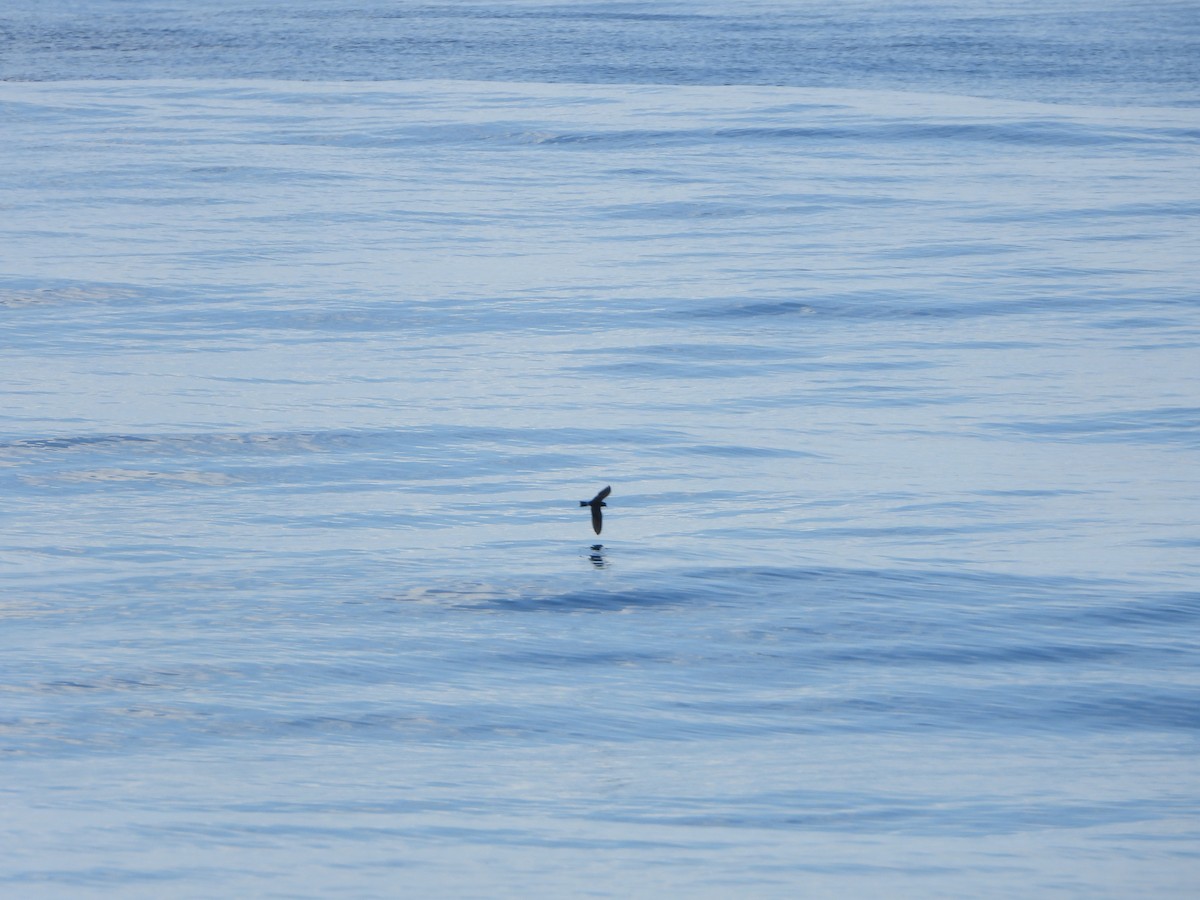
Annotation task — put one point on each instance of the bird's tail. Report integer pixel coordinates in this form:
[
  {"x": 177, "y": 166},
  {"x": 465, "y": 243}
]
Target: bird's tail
[{"x": 584, "y": 503}]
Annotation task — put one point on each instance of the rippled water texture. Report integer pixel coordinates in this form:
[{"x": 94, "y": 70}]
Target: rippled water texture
[
  {"x": 1099, "y": 52},
  {"x": 304, "y": 381}
]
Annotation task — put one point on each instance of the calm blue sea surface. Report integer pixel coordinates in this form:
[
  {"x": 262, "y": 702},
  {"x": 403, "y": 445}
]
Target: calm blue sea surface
[{"x": 317, "y": 324}]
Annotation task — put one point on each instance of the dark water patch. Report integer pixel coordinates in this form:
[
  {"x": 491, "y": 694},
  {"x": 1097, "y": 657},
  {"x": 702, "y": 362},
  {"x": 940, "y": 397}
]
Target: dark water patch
[
  {"x": 1111, "y": 56},
  {"x": 678, "y": 369},
  {"x": 1168, "y": 210},
  {"x": 111, "y": 878},
  {"x": 558, "y": 13},
  {"x": 1029, "y": 132},
  {"x": 892, "y": 812},
  {"x": 1166, "y": 610},
  {"x": 969, "y": 655},
  {"x": 760, "y": 208},
  {"x": 1030, "y": 492},
  {"x": 1179, "y": 542},
  {"x": 713, "y": 361},
  {"x": 588, "y": 601},
  {"x": 903, "y": 591},
  {"x": 620, "y": 139},
  {"x": 811, "y": 137},
  {"x": 702, "y": 654},
  {"x": 1144, "y": 322},
  {"x": 1035, "y": 706},
  {"x": 1125, "y": 708},
  {"x": 948, "y": 250},
  {"x": 756, "y": 309},
  {"x": 908, "y": 305},
  {"x": 81, "y": 441},
  {"x": 1164, "y": 426}
]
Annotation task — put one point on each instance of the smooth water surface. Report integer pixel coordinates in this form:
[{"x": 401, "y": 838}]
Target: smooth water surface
[{"x": 309, "y": 357}]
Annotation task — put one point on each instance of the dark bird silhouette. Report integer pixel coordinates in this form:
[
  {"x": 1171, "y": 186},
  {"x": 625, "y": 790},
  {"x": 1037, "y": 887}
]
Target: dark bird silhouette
[{"x": 595, "y": 503}]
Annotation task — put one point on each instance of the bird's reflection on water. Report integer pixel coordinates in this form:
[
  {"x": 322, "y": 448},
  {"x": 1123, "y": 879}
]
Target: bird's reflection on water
[{"x": 597, "y": 556}]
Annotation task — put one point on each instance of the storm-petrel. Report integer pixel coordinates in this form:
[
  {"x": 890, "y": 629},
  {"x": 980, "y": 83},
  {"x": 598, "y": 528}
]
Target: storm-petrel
[{"x": 595, "y": 503}]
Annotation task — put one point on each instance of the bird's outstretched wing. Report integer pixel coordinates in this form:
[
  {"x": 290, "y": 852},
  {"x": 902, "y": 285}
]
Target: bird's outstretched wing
[
  {"x": 597, "y": 517},
  {"x": 604, "y": 493}
]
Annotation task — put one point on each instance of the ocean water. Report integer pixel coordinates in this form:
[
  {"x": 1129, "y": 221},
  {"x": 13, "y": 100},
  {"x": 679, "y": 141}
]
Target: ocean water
[{"x": 318, "y": 323}]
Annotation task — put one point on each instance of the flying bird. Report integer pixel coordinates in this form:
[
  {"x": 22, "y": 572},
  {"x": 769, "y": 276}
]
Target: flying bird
[{"x": 595, "y": 503}]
